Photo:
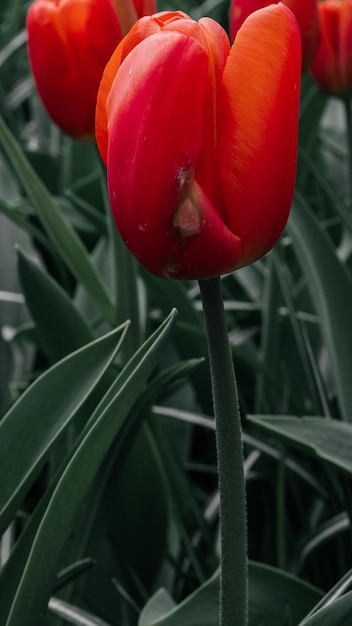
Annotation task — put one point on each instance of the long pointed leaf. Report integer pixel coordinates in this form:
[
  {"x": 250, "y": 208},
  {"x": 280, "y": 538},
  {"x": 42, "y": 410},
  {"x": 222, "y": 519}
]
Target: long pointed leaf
[
  {"x": 321, "y": 438},
  {"x": 31, "y": 427},
  {"x": 332, "y": 290},
  {"x": 73, "y": 615},
  {"x": 58, "y": 228},
  {"x": 34, "y": 590},
  {"x": 60, "y": 326},
  {"x": 336, "y": 614}
]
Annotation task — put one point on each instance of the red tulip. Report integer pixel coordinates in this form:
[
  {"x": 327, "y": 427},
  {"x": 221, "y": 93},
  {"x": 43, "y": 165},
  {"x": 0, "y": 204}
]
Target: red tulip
[
  {"x": 200, "y": 139},
  {"x": 69, "y": 44},
  {"x": 128, "y": 12},
  {"x": 332, "y": 64},
  {"x": 305, "y": 12}
]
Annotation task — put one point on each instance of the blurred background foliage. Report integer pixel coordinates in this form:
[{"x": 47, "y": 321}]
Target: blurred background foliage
[{"x": 108, "y": 487}]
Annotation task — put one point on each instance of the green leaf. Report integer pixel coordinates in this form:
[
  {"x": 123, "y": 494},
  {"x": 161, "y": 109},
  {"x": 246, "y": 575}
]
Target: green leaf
[
  {"x": 201, "y": 607},
  {"x": 337, "y": 613},
  {"x": 186, "y": 510},
  {"x": 11, "y": 572},
  {"x": 159, "y": 605},
  {"x": 139, "y": 472},
  {"x": 332, "y": 290},
  {"x": 313, "y": 106},
  {"x": 32, "y": 426},
  {"x": 14, "y": 44},
  {"x": 12, "y": 309},
  {"x": 126, "y": 286},
  {"x": 16, "y": 213},
  {"x": 321, "y": 438},
  {"x": 60, "y": 326},
  {"x": 189, "y": 337},
  {"x": 58, "y": 228},
  {"x": 275, "y": 598},
  {"x": 73, "y": 615},
  {"x": 34, "y": 590},
  {"x": 336, "y": 592}
]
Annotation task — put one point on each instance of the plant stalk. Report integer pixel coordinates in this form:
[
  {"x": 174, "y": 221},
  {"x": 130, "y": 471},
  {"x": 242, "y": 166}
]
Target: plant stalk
[{"x": 233, "y": 610}]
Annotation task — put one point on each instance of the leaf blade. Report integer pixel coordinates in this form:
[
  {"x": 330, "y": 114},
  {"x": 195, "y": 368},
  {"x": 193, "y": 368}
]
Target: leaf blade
[
  {"x": 32, "y": 425},
  {"x": 322, "y": 438},
  {"x": 58, "y": 228},
  {"x": 332, "y": 290},
  {"x": 75, "y": 481}
]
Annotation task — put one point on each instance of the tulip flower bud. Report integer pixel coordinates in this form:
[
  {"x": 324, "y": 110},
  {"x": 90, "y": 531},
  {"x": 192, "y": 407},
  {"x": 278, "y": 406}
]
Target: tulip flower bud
[
  {"x": 200, "y": 139},
  {"x": 305, "y": 12},
  {"x": 69, "y": 44},
  {"x": 332, "y": 64}
]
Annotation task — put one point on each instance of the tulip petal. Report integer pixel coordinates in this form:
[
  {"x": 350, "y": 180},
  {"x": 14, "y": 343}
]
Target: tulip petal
[
  {"x": 258, "y": 122},
  {"x": 345, "y": 49},
  {"x": 240, "y": 10},
  {"x": 305, "y": 12},
  {"x": 127, "y": 14},
  {"x": 331, "y": 67},
  {"x": 207, "y": 173},
  {"x": 143, "y": 28},
  {"x": 69, "y": 44},
  {"x": 155, "y": 115}
]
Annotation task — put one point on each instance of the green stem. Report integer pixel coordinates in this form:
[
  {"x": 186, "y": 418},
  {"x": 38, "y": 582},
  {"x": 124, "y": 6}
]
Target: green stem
[{"x": 233, "y": 521}]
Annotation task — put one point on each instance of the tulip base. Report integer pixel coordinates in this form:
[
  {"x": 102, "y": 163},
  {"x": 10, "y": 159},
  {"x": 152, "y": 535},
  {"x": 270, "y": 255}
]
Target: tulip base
[{"x": 233, "y": 521}]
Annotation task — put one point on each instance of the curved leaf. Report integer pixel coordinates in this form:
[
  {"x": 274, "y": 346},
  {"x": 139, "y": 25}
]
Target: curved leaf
[
  {"x": 319, "y": 437},
  {"x": 33, "y": 424},
  {"x": 335, "y": 614},
  {"x": 73, "y": 615},
  {"x": 58, "y": 228},
  {"x": 60, "y": 326},
  {"x": 34, "y": 590},
  {"x": 332, "y": 291},
  {"x": 273, "y": 595}
]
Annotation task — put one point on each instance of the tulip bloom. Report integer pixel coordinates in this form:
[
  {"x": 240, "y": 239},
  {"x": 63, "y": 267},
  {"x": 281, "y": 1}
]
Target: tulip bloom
[
  {"x": 200, "y": 139},
  {"x": 305, "y": 12},
  {"x": 69, "y": 44},
  {"x": 129, "y": 12},
  {"x": 332, "y": 65}
]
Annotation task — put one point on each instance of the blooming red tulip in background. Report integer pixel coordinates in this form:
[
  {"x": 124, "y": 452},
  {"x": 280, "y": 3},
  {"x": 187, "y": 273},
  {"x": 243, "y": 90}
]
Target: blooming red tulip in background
[
  {"x": 69, "y": 44},
  {"x": 200, "y": 139},
  {"x": 128, "y": 11},
  {"x": 306, "y": 14},
  {"x": 332, "y": 64}
]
